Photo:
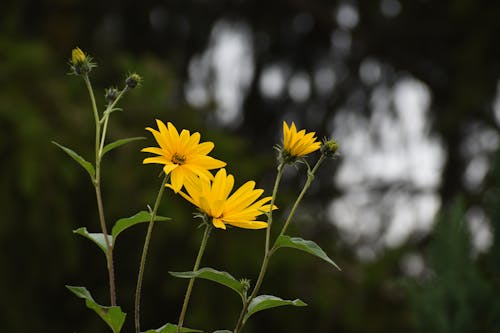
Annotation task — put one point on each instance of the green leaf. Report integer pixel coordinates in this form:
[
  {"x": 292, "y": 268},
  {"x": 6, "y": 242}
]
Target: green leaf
[
  {"x": 171, "y": 328},
  {"x": 304, "y": 245},
  {"x": 127, "y": 222},
  {"x": 85, "y": 164},
  {"x": 223, "y": 331},
  {"x": 118, "y": 143},
  {"x": 211, "y": 274},
  {"x": 112, "y": 315},
  {"x": 264, "y": 302},
  {"x": 97, "y": 238}
]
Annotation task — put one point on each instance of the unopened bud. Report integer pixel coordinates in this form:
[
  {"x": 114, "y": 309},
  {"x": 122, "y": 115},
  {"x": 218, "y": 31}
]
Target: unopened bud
[
  {"x": 245, "y": 283},
  {"x": 80, "y": 63},
  {"x": 111, "y": 94},
  {"x": 329, "y": 148},
  {"x": 133, "y": 80},
  {"x": 77, "y": 56}
]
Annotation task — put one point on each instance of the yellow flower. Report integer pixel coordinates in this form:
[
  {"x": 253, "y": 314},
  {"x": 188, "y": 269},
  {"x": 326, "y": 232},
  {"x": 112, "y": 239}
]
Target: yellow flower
[
  {"x": 239, "y": 209},
  {"x": 183, "y": 156},
  {"x": 297, "y": 144},
  {"x": 77, "y": 56},
  {"x": 80, "y": 63}
]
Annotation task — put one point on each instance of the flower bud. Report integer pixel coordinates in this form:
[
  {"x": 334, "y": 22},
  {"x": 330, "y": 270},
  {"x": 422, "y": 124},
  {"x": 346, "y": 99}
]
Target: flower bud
[
  {"x": 133, "y": 80},
  {"x": 246, "y": 284},
  {"x": 80, "y": 63},
  {"x": 329, "y": 148},
  {"x": 111, "y": 94},
  {"x": 77, "y": 56}
]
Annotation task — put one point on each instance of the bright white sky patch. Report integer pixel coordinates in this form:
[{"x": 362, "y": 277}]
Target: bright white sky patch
[
  {"x": 299, "y": 87},
  {"x": 272, "y": 81},
  {"x": 347, "y": 16},
  {"x": 390, "y": 168},
  {"x": 480, "y": 229},
  {"x": 370, "y": 71},
  {"x": 224, "y": 71},
  {"x": 324, "y": 79},
  {"x": 480, "y": 142}
]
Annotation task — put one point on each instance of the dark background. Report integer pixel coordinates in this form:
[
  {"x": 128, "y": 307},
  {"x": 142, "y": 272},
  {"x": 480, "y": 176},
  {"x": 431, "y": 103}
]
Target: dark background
[{"x": 450, "y": 46}]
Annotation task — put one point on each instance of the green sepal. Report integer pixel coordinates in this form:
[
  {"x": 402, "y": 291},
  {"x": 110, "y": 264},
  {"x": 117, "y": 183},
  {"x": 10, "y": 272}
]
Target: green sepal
[
  {"x": 171, "y": 328},
  {"x": 97, "y": 238},
  {"x": 85, "y": 164},
  {"x": 118, "y": 143},
  {"x": 127, "y": 222},
  {"x": 211, "y": 274},
  {"x": 264, "y": 302},
  {"x": 112, "y": 315},
  {"x": 304, "y": 245}
]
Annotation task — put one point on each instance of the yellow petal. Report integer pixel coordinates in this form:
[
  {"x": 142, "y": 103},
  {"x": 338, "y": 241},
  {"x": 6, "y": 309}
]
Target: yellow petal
[
  {"x": 156, "y": 159},
  {"x": 173, "y": 136},
  {"x": 206, "y": 162},
  {"x": 218, "y": 223},
  {"x": 248, "y": 224},
  {"x": 177, "y": 179},
  {"x": 168, "y": 167},
  {"x": 204, "y": 148}
]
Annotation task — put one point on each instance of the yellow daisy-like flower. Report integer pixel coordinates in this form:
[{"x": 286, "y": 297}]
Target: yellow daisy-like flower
[
  {"x": 183, "y": 156},
  {"x": 298, "y": 144},
  {"x": 239, "y": 209}
]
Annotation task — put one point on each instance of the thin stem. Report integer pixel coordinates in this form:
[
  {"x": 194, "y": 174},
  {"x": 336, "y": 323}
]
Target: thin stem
[
  {"x": 144, "y": 255},
  {"x": 106, "y": 118},
  {"x": 203, "y": 245},
  {"x": 310, "y": 177},
  {"x": 269, "y": 253},
  {"x": 96, "y": 115},
  {"x": 97, "y": 186},
  {"x": 109, "y": 247},
  {"x": 281, "y": 166},
  {"x": 265, "y": 260}
]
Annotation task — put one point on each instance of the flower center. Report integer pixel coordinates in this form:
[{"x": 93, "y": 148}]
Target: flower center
[{"x": 178, "y": 159}]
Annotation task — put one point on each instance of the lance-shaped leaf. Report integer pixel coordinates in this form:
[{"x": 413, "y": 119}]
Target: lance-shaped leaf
[
  {"x": 97, "y": 238},
  {"x": 264, "y": 302},
  {"x": 118, "y": 143},
  {"x": 112, "y": 315},
  {"x": 85, "y": 164},
  {"x": 171, "y": 328},
  {"x": 127, "y": 222},
  {"x": 304, "y": 245},
  {"x": 211, "y": 274}
]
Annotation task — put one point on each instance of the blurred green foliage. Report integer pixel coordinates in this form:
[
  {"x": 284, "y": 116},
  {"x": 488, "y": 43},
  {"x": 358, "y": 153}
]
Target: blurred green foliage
[{"x": 455, "y": 295}]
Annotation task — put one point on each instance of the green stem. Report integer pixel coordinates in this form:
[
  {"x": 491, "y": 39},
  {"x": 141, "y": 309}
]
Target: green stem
[
  {"x": 106, "y": 118},
  {"x": 208, "y": 228},
  {"x": 109, "y": 246},
  {"x": 144, "y": 255},
  {"x": 310, "y": 177},
  {"x": 269, "y": 252},
  {"x": 279, "y": 174},
  {"x": 267, "y": 256},
  {"x": 96, "y": 116},
  {"x": 97, "y": 186}
]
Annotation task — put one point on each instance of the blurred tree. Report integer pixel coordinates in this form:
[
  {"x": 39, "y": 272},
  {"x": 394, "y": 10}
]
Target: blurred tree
[{"x": 454, "y": 295}]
